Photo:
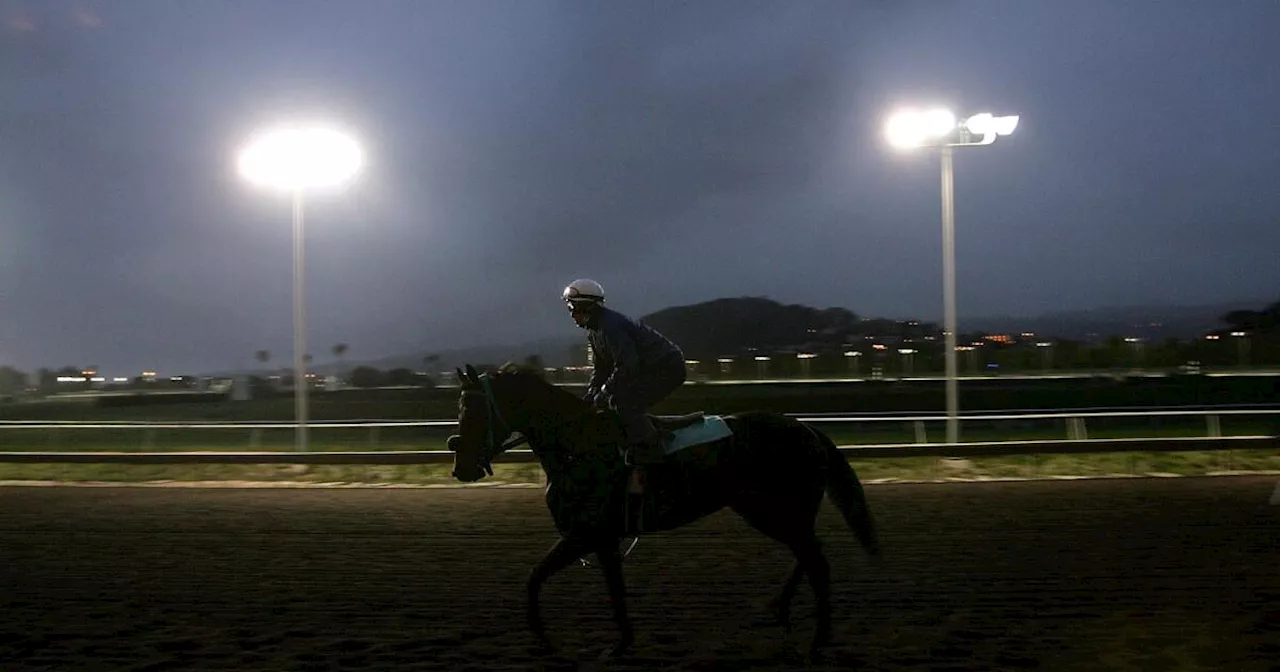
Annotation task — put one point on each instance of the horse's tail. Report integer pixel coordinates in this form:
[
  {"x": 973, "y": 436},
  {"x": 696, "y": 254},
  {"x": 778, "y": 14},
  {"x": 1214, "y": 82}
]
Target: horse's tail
[{"x": 845, "y": 490}]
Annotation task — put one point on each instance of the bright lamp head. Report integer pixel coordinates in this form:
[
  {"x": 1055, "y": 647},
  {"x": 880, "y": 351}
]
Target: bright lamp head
[
  {"x": 300, "y": 157},
  {"x": 916, "y": 128},
  {"x": 985, "y": 124}
]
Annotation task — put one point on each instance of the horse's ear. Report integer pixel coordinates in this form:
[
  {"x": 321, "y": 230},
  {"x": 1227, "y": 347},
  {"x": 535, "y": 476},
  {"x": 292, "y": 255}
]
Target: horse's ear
[
  {"x": 471, "y": 373},
  {"x": 461, "y": 377}
]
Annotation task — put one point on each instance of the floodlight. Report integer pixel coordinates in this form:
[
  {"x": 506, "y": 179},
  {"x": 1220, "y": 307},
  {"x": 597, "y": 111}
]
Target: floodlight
[
  {"x": 913, "y": 128},
  {"x": 301, "y": 157}
]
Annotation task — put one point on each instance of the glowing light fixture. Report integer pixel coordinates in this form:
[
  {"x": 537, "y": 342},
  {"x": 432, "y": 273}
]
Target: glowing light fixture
[{"x": 300, "y": 157}]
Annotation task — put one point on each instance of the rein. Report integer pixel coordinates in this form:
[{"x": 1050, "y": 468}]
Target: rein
[{"x": 491, "y": 445}]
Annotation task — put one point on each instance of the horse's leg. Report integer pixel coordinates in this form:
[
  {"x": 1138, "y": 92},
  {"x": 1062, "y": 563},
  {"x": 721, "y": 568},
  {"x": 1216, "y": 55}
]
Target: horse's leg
[
  {"x": 611, "y": 565},
  {"x": 780, "y": 605},
  {"x": 809, "y": 557},
  {"x": 791, "y": 523},
  {"x": 562, "y": 554}
]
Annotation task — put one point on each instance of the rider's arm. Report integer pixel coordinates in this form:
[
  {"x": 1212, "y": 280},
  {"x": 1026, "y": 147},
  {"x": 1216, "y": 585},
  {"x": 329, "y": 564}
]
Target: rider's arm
[
  {"x": 626, "y": 360},
  {"x": 600, "y": 371}
]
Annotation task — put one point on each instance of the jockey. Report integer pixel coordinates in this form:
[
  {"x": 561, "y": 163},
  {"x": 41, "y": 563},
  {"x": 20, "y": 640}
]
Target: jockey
[{"x": 635, "y": 367}]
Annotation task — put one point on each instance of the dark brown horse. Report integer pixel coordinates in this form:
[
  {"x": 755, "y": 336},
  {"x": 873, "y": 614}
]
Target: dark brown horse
[{"x": 772, "y": 471}]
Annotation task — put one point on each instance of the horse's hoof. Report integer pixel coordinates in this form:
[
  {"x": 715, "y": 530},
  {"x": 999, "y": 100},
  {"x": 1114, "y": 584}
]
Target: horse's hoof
[
  {"x": 617, "y": 651},
  {"x": 821, "y": 639},
  {"x": 779, "y": 614},
  {"x": 544, "y": 645}
]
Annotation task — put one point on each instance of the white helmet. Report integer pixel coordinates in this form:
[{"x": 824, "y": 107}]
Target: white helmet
[{"x": 584, "y": 290}]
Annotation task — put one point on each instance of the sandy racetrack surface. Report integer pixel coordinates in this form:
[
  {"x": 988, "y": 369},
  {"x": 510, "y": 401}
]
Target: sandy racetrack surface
[{"x": 1150, "y": 574}]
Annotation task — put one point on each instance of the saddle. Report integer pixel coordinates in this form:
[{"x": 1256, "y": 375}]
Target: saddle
[
  {"x": 670, "y": 423},
  {"x": 645, "y": 512}
]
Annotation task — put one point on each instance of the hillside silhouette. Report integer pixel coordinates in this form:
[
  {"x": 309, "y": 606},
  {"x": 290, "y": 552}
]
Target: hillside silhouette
[{"x": 733, "y": 326}]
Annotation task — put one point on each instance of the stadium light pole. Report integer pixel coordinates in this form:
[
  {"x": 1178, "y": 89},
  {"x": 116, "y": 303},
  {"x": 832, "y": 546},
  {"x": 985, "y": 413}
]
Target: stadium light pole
[
  {"x": 297, "y": 160},
  {"x": 909, "y": 129}
]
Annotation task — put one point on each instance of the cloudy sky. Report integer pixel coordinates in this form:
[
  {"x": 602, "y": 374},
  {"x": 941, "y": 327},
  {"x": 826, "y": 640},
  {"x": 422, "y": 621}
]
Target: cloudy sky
[{"x": 677, "y": 152}]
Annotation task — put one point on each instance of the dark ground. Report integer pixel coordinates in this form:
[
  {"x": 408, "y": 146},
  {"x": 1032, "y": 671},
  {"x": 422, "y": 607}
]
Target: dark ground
[{"x": 1153, "y": 574}]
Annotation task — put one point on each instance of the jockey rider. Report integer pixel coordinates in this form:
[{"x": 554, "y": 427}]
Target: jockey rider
[{"x": 635, "y": 367}]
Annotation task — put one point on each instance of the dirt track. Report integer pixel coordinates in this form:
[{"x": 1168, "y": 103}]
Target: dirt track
[{"x": 1176, "y": 574}]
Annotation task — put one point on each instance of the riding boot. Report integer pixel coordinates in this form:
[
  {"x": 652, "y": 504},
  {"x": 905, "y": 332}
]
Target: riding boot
[
  {"x": 647, "y": 451},
  {"x": 635, "y": 500}
]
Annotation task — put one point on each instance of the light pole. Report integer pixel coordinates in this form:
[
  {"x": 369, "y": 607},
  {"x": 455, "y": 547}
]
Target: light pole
[
  {"x": 1242, "y": 347},
  {"x": 939, "y": 128},
  {"x": 908, "y": 361},
  {"x": 852, "y": 357},
  {"x": 298, "y": 159},
  {"x": 805, "y": 369},
  {"x": 1137, "y": 351},
  {"x": 1045, "y": 355},
  {"x": 762, "y": 366}
]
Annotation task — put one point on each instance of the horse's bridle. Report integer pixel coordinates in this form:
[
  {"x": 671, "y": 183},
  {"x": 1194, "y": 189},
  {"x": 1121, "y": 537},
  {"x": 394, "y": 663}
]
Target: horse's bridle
[{"x": 492, "y": 447}]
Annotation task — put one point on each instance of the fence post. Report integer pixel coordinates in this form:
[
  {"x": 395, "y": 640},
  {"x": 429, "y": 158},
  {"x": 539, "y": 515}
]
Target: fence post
[
  {"x": 1214, "y": 426},
  {"x": 373, "y": 437},
  {"x": 255, "y": 438},
  {"x": 921, "y": 435},
  {"x": 1076, "y": 430}
]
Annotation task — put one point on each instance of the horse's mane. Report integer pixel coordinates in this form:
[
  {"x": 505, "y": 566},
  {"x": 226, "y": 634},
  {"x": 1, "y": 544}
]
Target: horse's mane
[
  {"x": 523, "y": 370},
  {"x": 533, "y": 373}
]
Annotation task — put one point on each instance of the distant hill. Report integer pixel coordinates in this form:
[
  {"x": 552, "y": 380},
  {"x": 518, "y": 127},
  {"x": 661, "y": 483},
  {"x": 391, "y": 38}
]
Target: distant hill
[{"x": 734, "y": 326}]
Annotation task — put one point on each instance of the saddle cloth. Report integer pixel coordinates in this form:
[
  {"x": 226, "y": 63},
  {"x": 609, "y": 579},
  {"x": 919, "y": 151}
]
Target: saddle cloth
[{"x": 707, "y": 429}]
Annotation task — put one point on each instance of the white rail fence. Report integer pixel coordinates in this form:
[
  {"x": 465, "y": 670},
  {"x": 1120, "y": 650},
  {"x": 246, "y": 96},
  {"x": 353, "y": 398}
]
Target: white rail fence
[{"x": 1075, "y": 425}]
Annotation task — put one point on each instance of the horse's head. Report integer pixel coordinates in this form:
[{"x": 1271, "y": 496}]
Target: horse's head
[{"x": 481, "y": 427}]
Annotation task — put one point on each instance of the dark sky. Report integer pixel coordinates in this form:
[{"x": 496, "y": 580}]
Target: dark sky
[{"x": 675, "y": 151}]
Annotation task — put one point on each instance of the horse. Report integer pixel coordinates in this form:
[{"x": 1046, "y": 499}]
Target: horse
[{"x": 772, "y": 470}]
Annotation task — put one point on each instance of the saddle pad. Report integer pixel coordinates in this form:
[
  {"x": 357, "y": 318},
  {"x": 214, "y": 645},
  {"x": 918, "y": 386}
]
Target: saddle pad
[{"x": 710, "y": 428}]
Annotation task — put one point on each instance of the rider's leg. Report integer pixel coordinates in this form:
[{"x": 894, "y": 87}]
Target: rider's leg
[{"x": 644, "y": 442}]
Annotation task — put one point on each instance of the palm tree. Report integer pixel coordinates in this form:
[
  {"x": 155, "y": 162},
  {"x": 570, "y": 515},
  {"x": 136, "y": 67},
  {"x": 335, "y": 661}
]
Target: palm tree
[{"x": 338, "y": 351}]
